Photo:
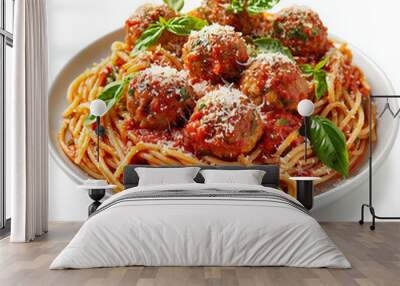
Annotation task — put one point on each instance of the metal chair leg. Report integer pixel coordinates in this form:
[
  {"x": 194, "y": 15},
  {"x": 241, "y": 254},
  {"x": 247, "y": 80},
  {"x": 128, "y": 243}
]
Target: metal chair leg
[
  {"x": 372, "y": 210},
  {"x": 361, "y": 221}
]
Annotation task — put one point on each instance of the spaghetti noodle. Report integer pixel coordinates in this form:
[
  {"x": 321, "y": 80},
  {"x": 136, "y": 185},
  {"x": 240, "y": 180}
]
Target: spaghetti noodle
[{"x": 124, "y": 143}]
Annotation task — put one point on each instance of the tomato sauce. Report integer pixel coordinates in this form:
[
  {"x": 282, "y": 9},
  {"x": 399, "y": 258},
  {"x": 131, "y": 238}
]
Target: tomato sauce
[
  {"x": 174, "y": 137},
  {"x": 279, "y": 125}
]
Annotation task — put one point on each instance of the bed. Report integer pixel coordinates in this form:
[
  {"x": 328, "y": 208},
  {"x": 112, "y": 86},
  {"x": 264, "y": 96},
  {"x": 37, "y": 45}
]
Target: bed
[{"x": 201, "y": 224}]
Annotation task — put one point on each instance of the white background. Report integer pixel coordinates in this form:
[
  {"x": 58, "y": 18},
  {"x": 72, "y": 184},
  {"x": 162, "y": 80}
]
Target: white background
[{"x": 369, "y": 24}]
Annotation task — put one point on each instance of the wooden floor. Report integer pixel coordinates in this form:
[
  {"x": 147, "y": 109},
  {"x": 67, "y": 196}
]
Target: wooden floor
[{"x": 375, "y": 257}]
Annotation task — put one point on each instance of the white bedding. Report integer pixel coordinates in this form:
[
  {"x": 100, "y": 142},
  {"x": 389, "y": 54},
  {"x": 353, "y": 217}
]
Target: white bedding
[{"x": 202, "y": 231}]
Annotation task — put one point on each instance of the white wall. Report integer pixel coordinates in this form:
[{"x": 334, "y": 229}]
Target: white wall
[{"x": 371, "y": 26}]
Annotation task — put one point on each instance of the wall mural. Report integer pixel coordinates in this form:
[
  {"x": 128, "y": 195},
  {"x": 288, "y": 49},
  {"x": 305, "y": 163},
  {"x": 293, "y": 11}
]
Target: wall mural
[{"x": 220, "y": 85}]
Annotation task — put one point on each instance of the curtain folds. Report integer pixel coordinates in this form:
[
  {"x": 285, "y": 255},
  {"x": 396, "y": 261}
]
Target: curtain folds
[{"x": 27, "y": 123}]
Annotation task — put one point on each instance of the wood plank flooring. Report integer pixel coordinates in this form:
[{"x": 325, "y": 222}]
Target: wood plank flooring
[{"x": 375, "y": 257}]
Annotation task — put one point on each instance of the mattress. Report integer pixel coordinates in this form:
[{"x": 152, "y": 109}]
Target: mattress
[{"x": 201, "y": 225}]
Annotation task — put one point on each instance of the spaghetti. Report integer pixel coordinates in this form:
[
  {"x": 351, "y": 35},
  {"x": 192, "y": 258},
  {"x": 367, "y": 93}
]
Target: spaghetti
[{"x": 124, "y": 143}]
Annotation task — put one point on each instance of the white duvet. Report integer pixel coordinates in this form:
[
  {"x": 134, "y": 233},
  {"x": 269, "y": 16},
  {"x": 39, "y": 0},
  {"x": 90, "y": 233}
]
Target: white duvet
[{"x": 200, "y": 231}]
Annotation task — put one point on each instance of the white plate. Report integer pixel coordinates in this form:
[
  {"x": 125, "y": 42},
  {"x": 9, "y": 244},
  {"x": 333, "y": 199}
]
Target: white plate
[{"x": 387, "y": 129}]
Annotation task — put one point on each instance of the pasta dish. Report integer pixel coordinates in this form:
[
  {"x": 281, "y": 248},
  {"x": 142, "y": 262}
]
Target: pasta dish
[{"x": 220, "y": 85}]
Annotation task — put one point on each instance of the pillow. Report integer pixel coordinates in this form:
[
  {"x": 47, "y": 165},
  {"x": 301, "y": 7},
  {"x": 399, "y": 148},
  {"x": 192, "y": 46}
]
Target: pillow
[
  {"x": 166, "y": 176},
  {"x": 243, "y": 177}
]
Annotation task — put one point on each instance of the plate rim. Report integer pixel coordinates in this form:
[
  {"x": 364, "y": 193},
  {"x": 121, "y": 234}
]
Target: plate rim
[{"x": 322, "y": 199}]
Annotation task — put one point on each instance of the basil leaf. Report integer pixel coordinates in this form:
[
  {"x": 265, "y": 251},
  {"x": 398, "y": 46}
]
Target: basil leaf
[
  {"x": 131, "y": 91},
  {"x": 271, "y": 45},
  {"x": 298, "y": 33},
  {"x": 184, "y": 94},
  {"x": 319, "y": 77},
  {"x": 109, "y": 90},
  {"x": 182, "y": 26},
  {"x": 283, "y": 122},
  {"x": 236, "y": 6},
  {"x": 321, "y": 64},
  {"x": 201, "y": 105},
  {"x": 111, "y": 94},
  {"x": 321, "y": 84},
  {"x": 148, "y": 38},
  {"x": 90, "y": 120},
  {"x": 259, "y": 6},
  {"x": 307, "y": 69},
  {"x": 329, "y": 144},
  {"x": 175, "y": 5},
  {"x": 162, "y": 21}
]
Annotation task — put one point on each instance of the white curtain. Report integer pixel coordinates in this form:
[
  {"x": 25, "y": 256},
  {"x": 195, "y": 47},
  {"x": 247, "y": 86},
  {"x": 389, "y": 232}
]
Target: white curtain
[{"x": 27, "y": 123}]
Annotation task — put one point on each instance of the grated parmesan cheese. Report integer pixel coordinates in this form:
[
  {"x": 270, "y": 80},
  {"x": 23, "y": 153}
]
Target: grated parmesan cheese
[
  {"x": 215, "y": 30},
  {"x": 226, "y": 107},
  {"x": 300, "y": 15},
  {"x": 201, "y": 87},
  {"x": 273, "y": 58},
  {"x": 270, "y": 59},
  {"x": 298, "y": 10},
  {"x": 165, "y": 74},
  {"x": 225, "y": 96}
]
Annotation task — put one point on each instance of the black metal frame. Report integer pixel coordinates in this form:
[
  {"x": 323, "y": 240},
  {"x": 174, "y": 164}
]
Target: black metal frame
[
  {"x": 370, "y": 186},
  {"x": 305, "y": 188},
  {"x": 97, "y": 194},
  {"x": 6, "y": 39},
  {"x": 305, "y": 193}
]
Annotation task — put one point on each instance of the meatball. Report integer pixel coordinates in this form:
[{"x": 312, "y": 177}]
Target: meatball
[
  {"x": 278, "y": 126},
  {"x": 216, "y": 54},
  {"x": 146, "y": 15},
  {"x": 160, "y": 98},
  {"x": 274, "y": 81},
  {"x": 258, "y": 25},
  {"x": 302, "y": 31},
  {"x": 217, "y": 11},
  {"x": 224, "y": 124}
]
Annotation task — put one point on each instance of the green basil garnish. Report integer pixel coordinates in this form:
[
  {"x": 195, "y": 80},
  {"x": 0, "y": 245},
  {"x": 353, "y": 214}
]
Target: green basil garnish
[
  {"x": 184, "y": 94},
  {"x": 111, "y": 94},
  {"x": 307, "y": 69},
  {"x": 271, "y": 45},
  {"x": 329, "y": 144},
  {"x": 149, "y": 38},
  {"x": 201, "y": 105},
  {"x": 236, "y": 6},
  {"x": 251, "y": 6},
  {"x": 110, "y": 90},
  {"x": 131, "y": 91},
  {"x": 260, "y": 6},
  {"x": 322, "y": 64},
  {"x": 321, "y": 84},
  {"x": 298, "y": 33},
  {"x": 181, "y": 26},
  {"x": 319, "y": 77},
  {"x": 175, "y": 5},
  {"x": 283, "y": 122}
]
